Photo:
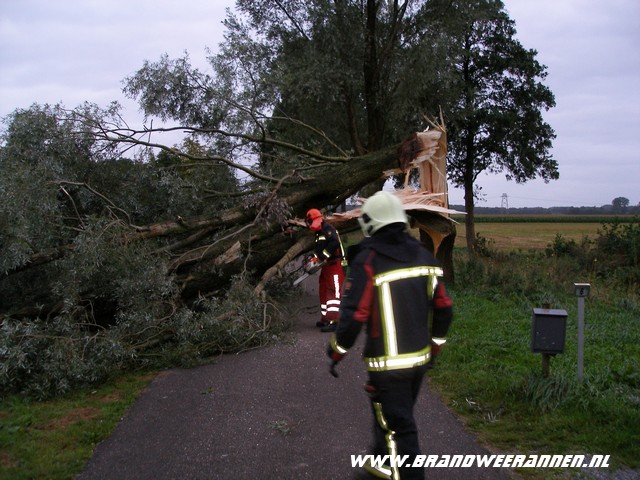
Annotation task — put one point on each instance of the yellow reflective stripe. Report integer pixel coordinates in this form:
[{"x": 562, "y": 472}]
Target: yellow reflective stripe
[
  {"x": 392, "y": 360},
  {"x": 400, "y": 274},
  {"x": 341, "y": 247},
  {"x": 405, "y": 360},
  {"x": 390, "y": 438},
  {"x": 431, "y": 287},
  {"x": 378, "y": 471},
  {"x": 336, "y": 346},
  {"x": 382, "y": 281},
  {"x": 388, "y": 322}
]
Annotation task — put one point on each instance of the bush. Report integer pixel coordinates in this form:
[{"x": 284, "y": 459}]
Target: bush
[
  {"x": 44, "y": 359},
  {"x": 619, "y": 243}
]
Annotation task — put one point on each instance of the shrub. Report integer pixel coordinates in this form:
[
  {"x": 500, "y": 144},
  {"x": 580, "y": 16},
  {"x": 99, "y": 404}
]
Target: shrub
[
  {"x": 44, "y": 359},
  {"x": 620, "y": 242}
]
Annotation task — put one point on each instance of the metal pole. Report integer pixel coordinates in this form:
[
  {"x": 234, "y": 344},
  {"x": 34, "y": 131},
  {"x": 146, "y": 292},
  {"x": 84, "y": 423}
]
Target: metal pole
[{"x": 580, "y": 338}]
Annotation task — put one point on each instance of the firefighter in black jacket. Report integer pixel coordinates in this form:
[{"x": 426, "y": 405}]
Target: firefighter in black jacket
[
  {"x": 330, "y": 255},
  {"x": 395, "y": 288}
]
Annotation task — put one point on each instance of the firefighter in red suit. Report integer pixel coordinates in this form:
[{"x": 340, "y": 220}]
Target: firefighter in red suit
[
  {"x": 329, "y": 253},
  {"x": 395, "y": 288}
]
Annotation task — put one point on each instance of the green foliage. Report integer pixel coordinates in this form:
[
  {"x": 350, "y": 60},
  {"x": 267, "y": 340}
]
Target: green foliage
[
  {"x": 99, "y": 303},
  {"x": 172, "y": 89},
  {"x": 621, "y": 239},
  {"x": 43, "y": 359},
  {"x": 497, "y": 96},
  {"x": 239, "y": 322},
  {"x": 613, "y": 255},
  {"x": 484, "y": 246},
  {"x": 564, "y": 247}
]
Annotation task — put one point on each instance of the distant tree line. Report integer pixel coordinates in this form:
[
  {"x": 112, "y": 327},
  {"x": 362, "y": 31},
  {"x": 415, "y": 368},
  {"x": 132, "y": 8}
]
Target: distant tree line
[{"x": 619, "y": 206}]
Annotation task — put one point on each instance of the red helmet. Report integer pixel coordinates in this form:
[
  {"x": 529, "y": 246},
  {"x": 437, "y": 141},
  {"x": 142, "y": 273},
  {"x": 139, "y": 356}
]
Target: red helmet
[{"x": 313, "y": 219}]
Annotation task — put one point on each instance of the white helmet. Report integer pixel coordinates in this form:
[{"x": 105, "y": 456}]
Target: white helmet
[{"x": 380, "y": 210}]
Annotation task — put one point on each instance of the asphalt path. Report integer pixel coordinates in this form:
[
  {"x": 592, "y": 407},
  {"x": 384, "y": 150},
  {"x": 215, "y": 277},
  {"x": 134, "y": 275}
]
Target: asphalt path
[{"x": 269, "y": 413}]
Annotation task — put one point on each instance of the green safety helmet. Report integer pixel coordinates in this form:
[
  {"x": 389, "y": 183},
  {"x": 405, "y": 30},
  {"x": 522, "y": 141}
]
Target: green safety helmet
[{"x": 379, "y": 210}]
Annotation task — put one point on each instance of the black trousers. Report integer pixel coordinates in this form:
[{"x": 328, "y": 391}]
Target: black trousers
[{"x": 393, "y": 395}]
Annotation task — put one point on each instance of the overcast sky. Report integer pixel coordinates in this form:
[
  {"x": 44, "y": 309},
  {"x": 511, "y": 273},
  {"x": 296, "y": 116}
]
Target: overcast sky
[{"x": 71, "y": 51}]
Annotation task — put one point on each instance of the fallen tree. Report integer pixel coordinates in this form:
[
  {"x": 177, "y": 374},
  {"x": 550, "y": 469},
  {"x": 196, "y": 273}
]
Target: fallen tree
[
  {"x": 105, "y": 292},
  {"x": 202, "y": 254}
]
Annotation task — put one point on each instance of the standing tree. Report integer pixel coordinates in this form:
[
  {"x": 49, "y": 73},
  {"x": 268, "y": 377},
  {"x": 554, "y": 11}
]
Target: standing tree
[
  {"x": 349, "y": 68},
  {"x": 365, "y": 71},
  {"x": 495, "y": 99},
  {"x": 620, "y": 204}
]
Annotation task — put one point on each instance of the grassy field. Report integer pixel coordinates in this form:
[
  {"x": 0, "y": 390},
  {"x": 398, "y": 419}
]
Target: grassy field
[
  {"x": 490, "y": 377},
  {"x": 54, "y": 439},
  {"x": 533, "y": 232},
  {"x": 496, "y": 384},
  {"x": 528, "y": 236}
]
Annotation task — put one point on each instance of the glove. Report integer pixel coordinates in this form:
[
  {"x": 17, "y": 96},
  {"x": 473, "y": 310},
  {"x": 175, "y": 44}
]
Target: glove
[{"x": 335, "y": 358}]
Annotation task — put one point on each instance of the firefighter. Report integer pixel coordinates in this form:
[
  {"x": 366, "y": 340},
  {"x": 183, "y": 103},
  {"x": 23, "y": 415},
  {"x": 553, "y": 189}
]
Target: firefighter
[
  {"x": 329, "y": 254},
  {"x": 395, "y": 288}
]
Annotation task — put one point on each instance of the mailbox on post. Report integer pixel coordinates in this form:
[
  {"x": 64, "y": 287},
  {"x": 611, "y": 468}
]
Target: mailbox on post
[{"x": 548, "y": 328}]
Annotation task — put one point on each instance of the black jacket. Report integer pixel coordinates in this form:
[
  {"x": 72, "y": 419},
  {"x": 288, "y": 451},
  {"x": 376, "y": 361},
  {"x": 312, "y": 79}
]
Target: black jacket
[
  {"x": 395, "y": 288},
  {"x": 328, "y": 245}
]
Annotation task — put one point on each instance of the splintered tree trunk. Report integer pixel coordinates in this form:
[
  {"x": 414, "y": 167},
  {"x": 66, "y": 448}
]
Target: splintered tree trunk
[{"x": 439, "y": 235}]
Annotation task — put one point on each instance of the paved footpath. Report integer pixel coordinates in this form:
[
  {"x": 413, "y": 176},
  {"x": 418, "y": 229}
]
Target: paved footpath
[{"x": 269, "y": 413}]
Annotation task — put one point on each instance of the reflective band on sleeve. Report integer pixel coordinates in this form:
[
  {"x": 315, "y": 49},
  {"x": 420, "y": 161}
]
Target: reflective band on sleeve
[{"x": 439, "y": 341}]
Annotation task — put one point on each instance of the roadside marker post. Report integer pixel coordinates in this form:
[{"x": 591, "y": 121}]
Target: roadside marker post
[{"x": 582, "y": 291}]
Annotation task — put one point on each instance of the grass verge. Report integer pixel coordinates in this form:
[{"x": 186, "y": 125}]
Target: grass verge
[
  {"x": 489, "y": 376},
  {"x": 54, "y": 439}
]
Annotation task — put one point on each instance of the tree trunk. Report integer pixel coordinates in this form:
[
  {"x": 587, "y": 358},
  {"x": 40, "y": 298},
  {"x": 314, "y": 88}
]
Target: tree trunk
[
  {"x": 469, "y": 221},
  {"x": 469, "y": 201}
]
